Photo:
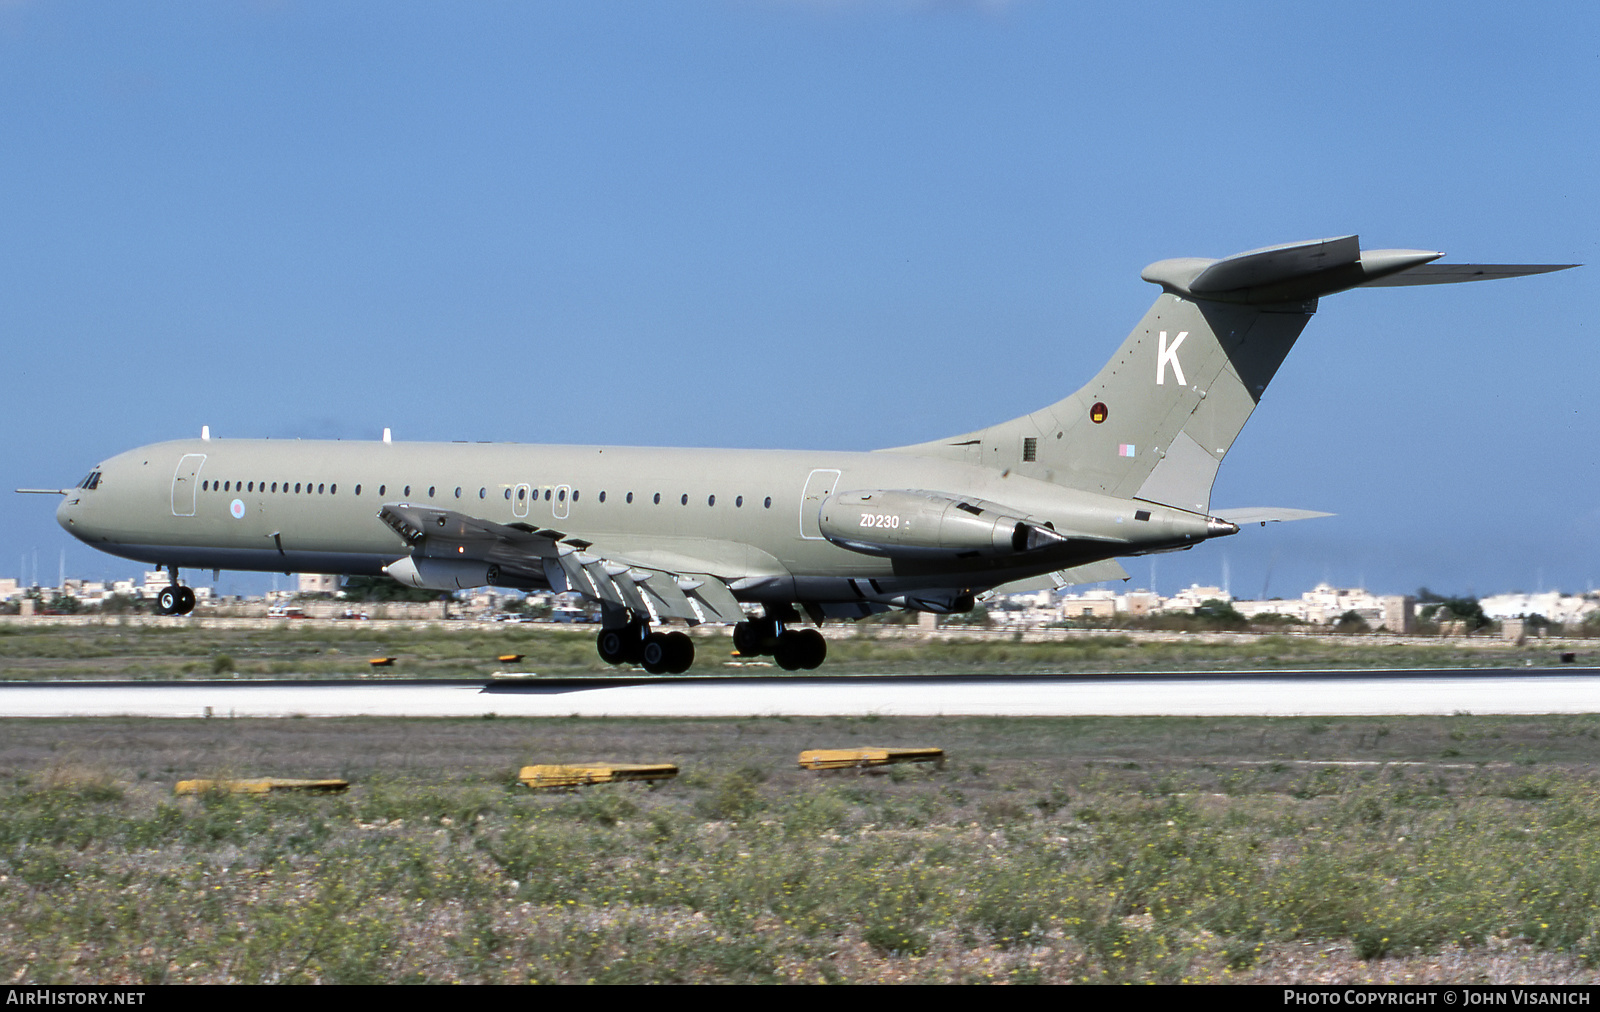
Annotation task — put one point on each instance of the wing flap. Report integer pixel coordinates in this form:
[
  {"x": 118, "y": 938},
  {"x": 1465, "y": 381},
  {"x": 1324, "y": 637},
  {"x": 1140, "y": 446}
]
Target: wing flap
[
  {"x": 566, "y": 564},
  {"x": 713, "y": 597}
]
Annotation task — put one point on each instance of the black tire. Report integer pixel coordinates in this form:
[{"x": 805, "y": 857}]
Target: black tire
[
  {"x": 813, "y": 649},
  {"x": 656, "y": 654},
  {"x": 612, "y": 645},
  {"x": 167, "y": 601},
  {"x": 680, "y": 652},
  {"x": 185, "y": 600},
  {"x": 744, "y": 640},
  {"x": 790, "y": 651}
]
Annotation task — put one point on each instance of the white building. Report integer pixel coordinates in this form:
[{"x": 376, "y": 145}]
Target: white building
[
  {"x": 1553, "y": 605},
  {"x": 318, "y": 583}
]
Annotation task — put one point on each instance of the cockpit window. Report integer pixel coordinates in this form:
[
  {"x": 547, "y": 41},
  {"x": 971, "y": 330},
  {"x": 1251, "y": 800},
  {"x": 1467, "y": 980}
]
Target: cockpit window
[{"x": 91, "y": 481}]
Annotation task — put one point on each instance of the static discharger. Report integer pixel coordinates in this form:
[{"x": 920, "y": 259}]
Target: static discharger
[
  {"x": 849, "y": 758},
  {"x": 382, "y": 662},
  {"x": 265, "y": 785},
  {"x": 582, "y": 774}
]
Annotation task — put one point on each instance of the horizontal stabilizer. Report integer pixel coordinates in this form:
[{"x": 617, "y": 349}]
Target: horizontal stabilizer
[
  {"x": 1266, "y": 514},
  {"x": 1276, "y": 263},
  {"x": 1292, "y": 272},
  {"x": 1450, "y": 274},
  {"x": 1301, "y": 271}
]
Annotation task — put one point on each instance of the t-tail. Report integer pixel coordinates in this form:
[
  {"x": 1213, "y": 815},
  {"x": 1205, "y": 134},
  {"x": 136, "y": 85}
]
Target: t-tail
[{"x": 1159, "y": 418}]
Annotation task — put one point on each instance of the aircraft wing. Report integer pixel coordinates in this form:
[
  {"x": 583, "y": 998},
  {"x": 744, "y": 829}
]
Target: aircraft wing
[
  {"x": 440, "y": 537},
  {"x": 1092, "y": 572}
]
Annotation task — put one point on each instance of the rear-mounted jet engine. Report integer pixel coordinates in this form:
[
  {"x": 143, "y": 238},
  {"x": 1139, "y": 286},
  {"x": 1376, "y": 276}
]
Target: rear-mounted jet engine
[{"x": 907, "y": 524}]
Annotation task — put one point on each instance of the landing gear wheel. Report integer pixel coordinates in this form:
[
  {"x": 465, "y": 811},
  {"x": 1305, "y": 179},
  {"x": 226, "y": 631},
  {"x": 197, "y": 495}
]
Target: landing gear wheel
[
  {"x": 621, "y": 644},
  {"x": 790, "y": 651},
  {"x": 745, "y": 641},
  {"x": 169, "y": 600},
  {"x": 680, "y": 652},
  {"x": 657, "y": 654},
  {"x": 185, "y": 600},
  {"x": 612, "y": 645},
  {"x": 813, "y": 649}
]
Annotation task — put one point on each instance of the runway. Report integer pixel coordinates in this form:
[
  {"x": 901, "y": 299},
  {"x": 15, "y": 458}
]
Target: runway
[{"x": 1242, "y": 693}]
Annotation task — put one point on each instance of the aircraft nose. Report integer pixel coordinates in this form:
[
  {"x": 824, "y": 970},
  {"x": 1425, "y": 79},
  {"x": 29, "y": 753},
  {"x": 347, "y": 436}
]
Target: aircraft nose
[{"x": 69, "y": 515}]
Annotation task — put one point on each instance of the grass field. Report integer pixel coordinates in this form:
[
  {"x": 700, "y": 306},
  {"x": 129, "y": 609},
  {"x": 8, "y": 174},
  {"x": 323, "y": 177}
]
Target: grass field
[
  {"x": 1070, "y": 849},
  {"x": 313, "y": 650}
]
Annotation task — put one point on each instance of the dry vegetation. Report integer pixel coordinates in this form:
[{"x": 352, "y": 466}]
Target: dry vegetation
[
  {"x": 1092, "y": 849},
  {"x": 468, "y": 649}
]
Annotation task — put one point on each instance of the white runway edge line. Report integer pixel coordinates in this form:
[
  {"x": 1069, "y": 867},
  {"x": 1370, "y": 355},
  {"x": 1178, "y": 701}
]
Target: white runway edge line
[{"x": 1576, "y": 691}]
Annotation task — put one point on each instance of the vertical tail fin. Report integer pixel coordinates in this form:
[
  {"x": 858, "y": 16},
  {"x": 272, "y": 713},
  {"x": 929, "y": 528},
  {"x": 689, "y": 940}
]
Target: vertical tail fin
[{"x": 1158, "y": 419}]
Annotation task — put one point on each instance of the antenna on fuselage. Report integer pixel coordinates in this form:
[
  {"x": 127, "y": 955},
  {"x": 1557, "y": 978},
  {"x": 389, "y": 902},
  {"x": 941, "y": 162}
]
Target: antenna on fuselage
[
  {"x": 205, "y": 433},
  {"x": 386, "y": 437}
]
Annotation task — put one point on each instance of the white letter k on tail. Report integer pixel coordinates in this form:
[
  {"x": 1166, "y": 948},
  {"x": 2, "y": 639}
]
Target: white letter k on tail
[{"x": 1165, "y": 355}]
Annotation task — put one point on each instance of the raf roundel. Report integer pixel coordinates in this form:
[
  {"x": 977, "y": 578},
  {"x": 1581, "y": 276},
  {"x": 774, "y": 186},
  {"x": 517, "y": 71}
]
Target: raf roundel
[{"x": 237, "y": 509}]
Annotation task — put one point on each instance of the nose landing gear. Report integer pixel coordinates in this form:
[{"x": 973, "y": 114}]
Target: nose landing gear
[{"x": 175, "y": 599}]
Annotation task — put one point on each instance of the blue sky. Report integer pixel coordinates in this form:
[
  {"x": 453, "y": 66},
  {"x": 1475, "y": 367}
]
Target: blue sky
[{"x": 808, "y": 224}]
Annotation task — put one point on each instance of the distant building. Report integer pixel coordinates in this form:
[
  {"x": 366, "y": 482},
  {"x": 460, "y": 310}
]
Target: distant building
[
  {"x": 1089, "y": 604},
  {"x": 1553, "y": 605},
  {"x": 1193, "y": 596},
  {"x": 318, "y": 583},
  {"x": 1325, "y": 605}
]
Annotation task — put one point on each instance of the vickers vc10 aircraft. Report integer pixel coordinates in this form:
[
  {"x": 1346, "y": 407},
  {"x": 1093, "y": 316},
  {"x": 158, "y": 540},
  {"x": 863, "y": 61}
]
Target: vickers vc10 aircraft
[{"x": 1123, "y": 467}]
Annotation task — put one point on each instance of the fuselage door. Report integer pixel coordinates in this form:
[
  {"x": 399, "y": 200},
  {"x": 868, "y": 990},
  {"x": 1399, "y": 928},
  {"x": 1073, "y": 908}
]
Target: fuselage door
[
  {"x": 183, "y": 486},
  {"x": 822, "y": 483},
  {"x": 563, "y": 494},
  {"x": 519, "y": 500}
]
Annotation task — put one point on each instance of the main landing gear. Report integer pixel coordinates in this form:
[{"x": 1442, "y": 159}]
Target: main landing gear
[
  {"x": 660, "y": 653},
  {"x": 792, "y": 649},
  {"x": 672, "y": 653},
  {"x": 174, "y": 599}
]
